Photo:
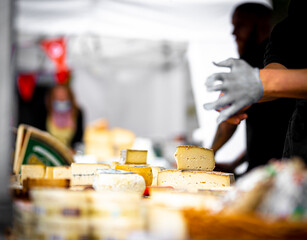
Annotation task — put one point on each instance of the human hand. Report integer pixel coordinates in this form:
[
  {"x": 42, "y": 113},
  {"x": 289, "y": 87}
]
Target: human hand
[
  {"x": 242, "y": 87},
  {"x": 237, "y": 118}
]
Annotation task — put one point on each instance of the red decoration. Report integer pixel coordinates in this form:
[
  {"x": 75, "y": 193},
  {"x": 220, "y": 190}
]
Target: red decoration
[
  {"x": 62, "y": 77},
  {"x": 56, "y": 51},
  {"x": 26, "y": 86}
]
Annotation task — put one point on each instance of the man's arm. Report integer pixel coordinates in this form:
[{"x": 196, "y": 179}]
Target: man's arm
[
  {"x": 283, "y": 83},
  {"x": 245, "y": 85},
  {"x": 237, "y": 118}
]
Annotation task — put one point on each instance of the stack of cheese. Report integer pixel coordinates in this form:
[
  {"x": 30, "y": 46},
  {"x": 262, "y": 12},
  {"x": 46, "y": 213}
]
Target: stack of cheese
[
  {"x": 105, "y": 143},
  {"x": 195, "y": 171},
  {"x": 78, "y": 175},
  {"x": 86, "y": 214},
  {"x": 44, "y": 176},
  {"x": 136, "y": 161}
]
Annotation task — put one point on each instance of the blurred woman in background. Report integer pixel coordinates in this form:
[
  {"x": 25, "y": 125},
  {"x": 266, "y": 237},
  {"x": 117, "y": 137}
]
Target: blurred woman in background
[{"x": 64, "y": 118}]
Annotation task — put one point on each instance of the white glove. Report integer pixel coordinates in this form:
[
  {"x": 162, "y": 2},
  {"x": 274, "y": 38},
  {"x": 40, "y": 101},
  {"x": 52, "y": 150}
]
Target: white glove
[{"x": 242, "y": 86}]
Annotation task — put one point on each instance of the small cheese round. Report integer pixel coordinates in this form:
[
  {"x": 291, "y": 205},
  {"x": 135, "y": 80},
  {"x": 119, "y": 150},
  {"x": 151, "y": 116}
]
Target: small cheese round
[{"x": 118, "y": 180}]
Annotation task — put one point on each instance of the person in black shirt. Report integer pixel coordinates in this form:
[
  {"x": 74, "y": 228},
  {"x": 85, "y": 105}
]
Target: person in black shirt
[
  {"x": 265, "y": 135},
  {"x": 286, "y": 50}
]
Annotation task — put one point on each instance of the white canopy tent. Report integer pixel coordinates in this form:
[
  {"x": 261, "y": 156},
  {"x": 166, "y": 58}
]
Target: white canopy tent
[{"x": 202, "y": 27}]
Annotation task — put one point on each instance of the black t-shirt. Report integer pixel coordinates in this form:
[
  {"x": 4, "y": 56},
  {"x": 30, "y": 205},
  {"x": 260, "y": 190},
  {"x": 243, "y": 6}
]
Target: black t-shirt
[
  {"x": 266, "y": 125},
  {"x": 288, "y": 46}
]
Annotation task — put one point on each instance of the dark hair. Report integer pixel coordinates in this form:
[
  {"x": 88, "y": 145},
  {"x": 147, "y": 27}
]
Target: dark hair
[{"x": 257, "y": 9}]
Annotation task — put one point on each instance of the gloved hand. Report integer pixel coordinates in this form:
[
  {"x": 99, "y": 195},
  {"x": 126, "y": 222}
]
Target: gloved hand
[{"x": 241, "y": 87}]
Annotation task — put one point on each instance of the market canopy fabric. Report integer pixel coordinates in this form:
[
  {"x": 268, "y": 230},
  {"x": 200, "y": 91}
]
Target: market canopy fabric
[{"x": 151, "y": 19}]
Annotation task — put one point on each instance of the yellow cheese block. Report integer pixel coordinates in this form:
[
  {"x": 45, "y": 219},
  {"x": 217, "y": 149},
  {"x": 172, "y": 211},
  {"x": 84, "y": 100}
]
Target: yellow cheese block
[
  {"x": 32, "y": 171},
  {"x": 129, "y": 156},
  {"x": 114, "y": 164},
  {"x": 194, "y": 158},
  {"x": 58, "y": 172},
  {"x": 62, "y": 172},
  {"x": 49, "y": 172},
  {"x": 194, "y": 180},
  {"x": 144, "y": 171},
  {"x": 83, "y": 173}
]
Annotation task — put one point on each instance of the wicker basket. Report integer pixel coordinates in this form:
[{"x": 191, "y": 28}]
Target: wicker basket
[{"x": 202, "y": 225}]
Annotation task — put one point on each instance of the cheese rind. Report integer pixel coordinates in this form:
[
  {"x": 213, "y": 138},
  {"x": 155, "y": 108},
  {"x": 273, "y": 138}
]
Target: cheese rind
[
  {"x": 129, "y": 156},
  {"x": 32, "y": 171},
  {"x": 194, "y": 158},
  {"x": 144, "y": 171},
  {"x": 155, "y": 171},
  {"x": 194, "y": 180},
  {"x": 118, "y": 180},
  {"x": 83, "y": 173}
]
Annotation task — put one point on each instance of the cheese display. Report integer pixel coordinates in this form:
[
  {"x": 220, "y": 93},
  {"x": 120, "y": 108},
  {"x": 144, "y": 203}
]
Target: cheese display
[
  {"x": 269, "y": 201},
  {"x": 194, "y": 158},
  {"x": 105, "y": 143},
  {"x": 83, "y": 173},
  {"x": 194, "y": 180},
  {"x": 34, "y": 146},
  {"x": 118, "y": 180},
  {"x": 144, "y": 171},
  {"x": 110, "y": 203},
  {"x": 32, "y": 171},
  {"x": 129, "y": 156}
]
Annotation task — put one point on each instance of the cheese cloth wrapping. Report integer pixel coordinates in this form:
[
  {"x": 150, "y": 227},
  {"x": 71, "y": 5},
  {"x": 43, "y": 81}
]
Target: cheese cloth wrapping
[{"x": 242, "y": 86}]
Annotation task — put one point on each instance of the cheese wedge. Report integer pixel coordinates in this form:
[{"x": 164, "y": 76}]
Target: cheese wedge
[
  {"x": 129, "y": 156},
  {"x": 194, "y": 180},
  {"x": 194, "y": 158},
  {"x": 144, "y": 171},
  {"x": 32, "y": 171},
  {"x": 34, "y": 146},
  {"x": 83, "y": 173}
]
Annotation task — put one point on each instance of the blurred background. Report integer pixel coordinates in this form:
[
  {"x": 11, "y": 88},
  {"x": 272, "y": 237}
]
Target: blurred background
[{"x": 136, "y": 65}]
